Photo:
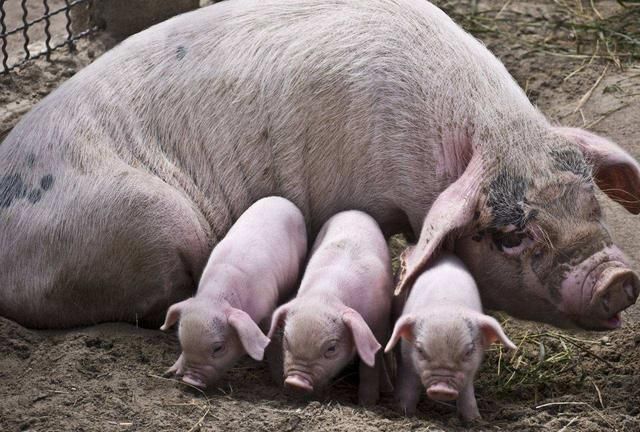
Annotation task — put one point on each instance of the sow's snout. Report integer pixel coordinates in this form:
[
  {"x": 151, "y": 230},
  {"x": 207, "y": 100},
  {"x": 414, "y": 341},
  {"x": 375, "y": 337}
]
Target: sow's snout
[
  {"x": 600, "y": 288},
  {"x": 615, "y": 290}
]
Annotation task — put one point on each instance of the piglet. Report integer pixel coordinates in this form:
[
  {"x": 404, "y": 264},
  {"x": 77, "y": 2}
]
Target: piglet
[
  {"x": 444, "y": 336},
  {"x": 255, "y": 266},
  {"x": 342, "y": 307}
]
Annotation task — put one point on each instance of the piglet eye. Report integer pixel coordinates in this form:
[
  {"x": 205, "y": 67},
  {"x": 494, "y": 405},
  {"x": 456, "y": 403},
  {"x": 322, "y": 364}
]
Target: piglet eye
[
  {"x": 331, "y": 351},
  {"x": 218, "y": 348},
  {"x": 422, "y": 352},
  {"x": 469, "y": 351}
]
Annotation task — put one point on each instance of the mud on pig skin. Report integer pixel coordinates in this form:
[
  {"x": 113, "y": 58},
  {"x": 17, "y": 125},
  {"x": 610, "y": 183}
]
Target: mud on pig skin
[
  {"x": 444, "y": 334},
  {"x": 342, "y": 308},
  {"x": 254, "y": 267},
  {"x": 115, "y": 188}
]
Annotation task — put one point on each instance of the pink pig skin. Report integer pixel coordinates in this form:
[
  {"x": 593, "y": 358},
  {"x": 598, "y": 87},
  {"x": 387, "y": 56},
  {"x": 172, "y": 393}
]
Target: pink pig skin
[
  {"x": 342, "y": 307},
  {"x": 444, "y": 334},
  {"x": 253, "y": 268}
]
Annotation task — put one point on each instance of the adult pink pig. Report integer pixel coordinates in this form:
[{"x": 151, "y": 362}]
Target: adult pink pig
[
  {"x": 342, "y": 307},
  {"x": 444, "y": 334},
  {"x": 253, "y": 268},
  {"x": 115, "y": 188}
]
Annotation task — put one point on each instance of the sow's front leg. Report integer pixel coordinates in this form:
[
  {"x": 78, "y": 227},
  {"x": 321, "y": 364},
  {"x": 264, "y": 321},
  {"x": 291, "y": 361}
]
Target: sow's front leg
[{"x": 116, "y": 246}]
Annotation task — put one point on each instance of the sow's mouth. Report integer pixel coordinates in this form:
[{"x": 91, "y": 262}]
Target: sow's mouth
[{"x": 614, "y": 288}]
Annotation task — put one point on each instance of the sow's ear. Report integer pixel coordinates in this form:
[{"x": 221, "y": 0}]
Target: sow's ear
[
  {"x": 452, "y": 210},
  {"x": 616, "y": 173},
  {"x": 366, "y": 343},
  {"x": 173, "y": 314},
  {"x": 251, "y": 337}
]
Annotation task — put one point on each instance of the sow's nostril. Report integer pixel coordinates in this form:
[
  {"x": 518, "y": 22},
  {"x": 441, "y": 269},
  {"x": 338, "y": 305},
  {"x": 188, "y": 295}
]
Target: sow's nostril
[
  {"x": 631, "y": 289},
  {"x": 619, "y": 290},
  {"x": 604, "y": 301}
]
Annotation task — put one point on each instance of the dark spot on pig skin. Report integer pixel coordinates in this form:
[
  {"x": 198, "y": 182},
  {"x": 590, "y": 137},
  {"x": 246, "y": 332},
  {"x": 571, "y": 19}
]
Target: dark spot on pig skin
[
  {"x": 476, "y": 215},
  {"x": 181, "y": 52},
  {"x": 11, "y": 188},
  {"x": 476, "y": 238},
  {"x": 34, "y": 196},
  {"x": 550, "y": 276},
  {"x": 554, "y": 270},
  {"x": 46, "y": 182},
  {"x": 470, "y": 326},
  {"x": 506, "y": 199},
  {"x": 31, "y": 160},
  {"x": 572, "y": 160}
]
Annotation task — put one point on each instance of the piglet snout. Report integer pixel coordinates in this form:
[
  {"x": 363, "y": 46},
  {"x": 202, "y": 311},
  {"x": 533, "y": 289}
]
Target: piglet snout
[
  {"x": 299, "y": 382},
  {"x": 442, "y": 392},
  {"x": 193, "y": 380}
]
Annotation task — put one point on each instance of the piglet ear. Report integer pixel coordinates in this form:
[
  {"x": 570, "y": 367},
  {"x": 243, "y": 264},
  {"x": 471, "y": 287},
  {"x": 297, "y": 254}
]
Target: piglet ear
[
  {"x": 616, "y": 173},
  {"x": 366, "y": 343},
  {"x": 452, "y": 210},
  {"x": 492, "y": 332},
  {"x": 277, "y": 319},
  {"x": 402, "y": 329},
  {"x": 251, "y": 337},
  {"x": 173, "y": 314}
]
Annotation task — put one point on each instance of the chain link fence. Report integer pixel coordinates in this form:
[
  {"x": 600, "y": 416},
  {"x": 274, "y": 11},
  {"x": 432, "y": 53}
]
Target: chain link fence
[{"x": 30, "y": 29}]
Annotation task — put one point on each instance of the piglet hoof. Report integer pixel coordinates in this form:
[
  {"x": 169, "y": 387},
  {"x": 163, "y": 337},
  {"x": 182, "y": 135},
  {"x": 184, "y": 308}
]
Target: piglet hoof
[
  {"x": 367, "y": 400},
  {"x": 470, "y": 416},
  {"x": 407, "y": 410},
  {"x": 176, "y": 369}
]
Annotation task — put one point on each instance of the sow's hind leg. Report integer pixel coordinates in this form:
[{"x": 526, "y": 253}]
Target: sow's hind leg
[{"x": 118, "y": 246}]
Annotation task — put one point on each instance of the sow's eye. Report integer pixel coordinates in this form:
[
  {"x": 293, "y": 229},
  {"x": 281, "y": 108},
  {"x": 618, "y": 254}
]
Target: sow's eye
[{"x": 512, "y": 242}]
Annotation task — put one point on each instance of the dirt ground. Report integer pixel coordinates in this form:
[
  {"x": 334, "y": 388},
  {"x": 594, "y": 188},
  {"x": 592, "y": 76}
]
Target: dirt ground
[{"x": 109, "y": 377}]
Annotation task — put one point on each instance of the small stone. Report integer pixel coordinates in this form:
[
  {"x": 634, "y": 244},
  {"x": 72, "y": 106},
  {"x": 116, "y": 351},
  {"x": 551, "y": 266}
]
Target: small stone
[{"x": 68, "y": 72}]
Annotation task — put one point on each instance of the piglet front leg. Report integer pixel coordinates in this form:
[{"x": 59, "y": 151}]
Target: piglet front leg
[
  {"x": 467, "y": 405},
  {"x": 274, "y": 358},
  {"x": 369, "y": 386},
  {"x": 407, "y": 388}
]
